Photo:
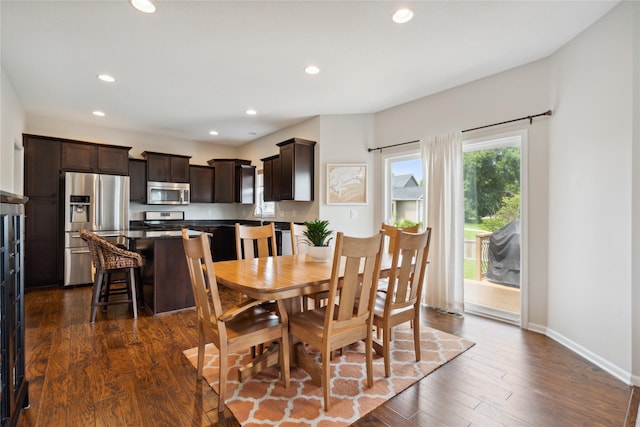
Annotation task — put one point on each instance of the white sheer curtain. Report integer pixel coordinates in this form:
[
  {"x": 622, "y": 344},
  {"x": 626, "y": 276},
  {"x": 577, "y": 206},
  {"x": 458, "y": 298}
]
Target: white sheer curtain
[{"x": 444, "y": 213}]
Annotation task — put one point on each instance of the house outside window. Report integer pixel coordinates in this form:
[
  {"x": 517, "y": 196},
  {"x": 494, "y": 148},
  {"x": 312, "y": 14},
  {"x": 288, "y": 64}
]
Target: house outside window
[{"x": 404, "y": 195}]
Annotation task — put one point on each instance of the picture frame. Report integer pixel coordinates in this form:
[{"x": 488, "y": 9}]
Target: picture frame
[{"x": 347, "y": 184}]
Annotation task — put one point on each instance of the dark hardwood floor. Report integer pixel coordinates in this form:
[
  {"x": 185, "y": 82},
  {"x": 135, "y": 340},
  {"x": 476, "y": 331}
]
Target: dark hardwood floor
[{"x": 126, "y": 372}]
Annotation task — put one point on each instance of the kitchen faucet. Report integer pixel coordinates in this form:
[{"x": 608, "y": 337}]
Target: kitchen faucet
[{"x": 258, "y": 211}]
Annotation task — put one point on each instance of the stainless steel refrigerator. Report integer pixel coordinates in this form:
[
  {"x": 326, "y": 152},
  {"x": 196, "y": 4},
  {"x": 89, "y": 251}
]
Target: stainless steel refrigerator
[{"x": 98, "y": 203}]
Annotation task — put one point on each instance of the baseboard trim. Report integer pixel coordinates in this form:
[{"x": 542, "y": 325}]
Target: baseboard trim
[{"x": 609, "y": 367}]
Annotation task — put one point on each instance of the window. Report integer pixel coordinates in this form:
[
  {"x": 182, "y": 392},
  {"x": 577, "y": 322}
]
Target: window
[
  {"x": 404, "y": 195},
  {"x": 263, "y": 209}
]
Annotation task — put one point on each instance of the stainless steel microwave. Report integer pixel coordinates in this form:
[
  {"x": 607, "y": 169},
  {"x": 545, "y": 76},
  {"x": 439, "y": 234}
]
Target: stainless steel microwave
[{"x": 167, "y": 193}]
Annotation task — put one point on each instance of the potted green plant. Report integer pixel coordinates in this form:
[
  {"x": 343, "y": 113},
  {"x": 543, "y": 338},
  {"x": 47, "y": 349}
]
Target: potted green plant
[{"x": 318, "y": 237}]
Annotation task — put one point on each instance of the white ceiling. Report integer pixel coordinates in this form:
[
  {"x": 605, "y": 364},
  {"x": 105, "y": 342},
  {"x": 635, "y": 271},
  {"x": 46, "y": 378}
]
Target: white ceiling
[{"x": 194, "y": 66}]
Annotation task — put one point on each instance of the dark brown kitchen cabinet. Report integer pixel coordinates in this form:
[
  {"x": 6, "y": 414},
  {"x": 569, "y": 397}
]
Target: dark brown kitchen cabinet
[
  {"x": 271, "y": 178},
  {"x": 137, "y": 180},
  {"x": 113, "y": 160},
  {"x": 201, "y": 180},
  {"x": 245, "y": 184},
  {"x": 296, "y": 169},
  {"x": 234, "y": 181},
  {"x": 42, "y": 186},
  {"x": 42, "y": 166},
  {"x": 167, "y": 167},
  {"x": 79, "y": 157},
  {"x": 95, "y": 158},
  {"x": 42, "y": 231},
  {"x": 290, "y": 174}
]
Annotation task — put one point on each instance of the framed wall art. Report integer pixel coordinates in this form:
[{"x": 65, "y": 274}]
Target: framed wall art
[{"x": 347, "y": 184}]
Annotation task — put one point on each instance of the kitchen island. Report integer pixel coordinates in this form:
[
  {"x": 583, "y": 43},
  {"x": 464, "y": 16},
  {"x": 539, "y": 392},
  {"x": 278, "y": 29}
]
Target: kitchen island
[{"x": 165, "y": 279}]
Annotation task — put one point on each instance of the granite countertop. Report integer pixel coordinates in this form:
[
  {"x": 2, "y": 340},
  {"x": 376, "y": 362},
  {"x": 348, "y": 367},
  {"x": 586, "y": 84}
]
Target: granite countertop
[
  {"x": 157, "y": 234},
  {"x": 200, "y": 224}
]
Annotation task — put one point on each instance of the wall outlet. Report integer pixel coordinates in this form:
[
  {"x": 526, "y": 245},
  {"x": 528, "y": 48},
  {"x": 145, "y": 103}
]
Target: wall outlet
[{"x": 353, "y": 214}]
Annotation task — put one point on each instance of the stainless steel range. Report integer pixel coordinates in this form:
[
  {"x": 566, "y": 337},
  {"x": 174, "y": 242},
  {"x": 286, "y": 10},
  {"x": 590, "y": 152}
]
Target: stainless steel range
[
  {"x": 98, "y": 203},
  {"x": 164, "y": 220}
]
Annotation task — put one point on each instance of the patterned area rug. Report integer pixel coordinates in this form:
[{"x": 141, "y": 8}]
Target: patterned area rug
[{"x": 263, "y": 401}]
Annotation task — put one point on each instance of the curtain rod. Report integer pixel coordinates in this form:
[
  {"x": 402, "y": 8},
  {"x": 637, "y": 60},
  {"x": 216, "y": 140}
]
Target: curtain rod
[{"x": 530, "y": 118}]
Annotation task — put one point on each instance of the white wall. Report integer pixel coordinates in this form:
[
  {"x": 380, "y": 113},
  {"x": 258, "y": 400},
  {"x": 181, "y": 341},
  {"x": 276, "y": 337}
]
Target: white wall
[
  {"x": 515, "y": 93},
  {"x": 635, "y": 216},
  {"x": 11, "y": 124},
  {"x": 590, "y": 171},
  {"x": 345, "y": 139}
]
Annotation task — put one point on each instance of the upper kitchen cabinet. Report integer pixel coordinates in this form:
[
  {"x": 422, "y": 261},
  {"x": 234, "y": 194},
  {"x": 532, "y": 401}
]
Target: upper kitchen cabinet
[
  {"x": 201, "y": 179},
  {"x": 296, "y": 170},
  {"x": 42, "y": 166},
  {"x": 137, "y": 180},
  {"x": 234, "y": 181},
  {"x": 95, "y": 158},
  {"x": 271, "y": 178},
  {"x": 167, "y": 167}
]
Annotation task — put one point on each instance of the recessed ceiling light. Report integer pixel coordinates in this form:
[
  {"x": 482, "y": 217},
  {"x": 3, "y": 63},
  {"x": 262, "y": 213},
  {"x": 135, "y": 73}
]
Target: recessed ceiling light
[
  {"x": 402, "y": 16},
  {"x": 99, "y": 113},
  {"x": 143, "y": 6},
  {"x": 213, "y": 132},
  {"x": 312, "y": 69},
  {"x": 251, "y": 112},
  {"x": 106, "y": 78}
]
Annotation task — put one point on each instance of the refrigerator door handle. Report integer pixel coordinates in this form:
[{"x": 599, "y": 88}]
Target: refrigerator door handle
[
  {"x": 80, "y": 251},
  {"x": 100, "y": 195}
]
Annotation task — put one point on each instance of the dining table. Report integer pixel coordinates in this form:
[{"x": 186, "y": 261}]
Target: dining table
[{"x": 281, "y": 278}]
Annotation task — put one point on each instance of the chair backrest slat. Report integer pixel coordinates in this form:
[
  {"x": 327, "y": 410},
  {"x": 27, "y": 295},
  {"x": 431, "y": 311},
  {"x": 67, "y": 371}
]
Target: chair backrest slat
[{"x": 360, "y": 260}]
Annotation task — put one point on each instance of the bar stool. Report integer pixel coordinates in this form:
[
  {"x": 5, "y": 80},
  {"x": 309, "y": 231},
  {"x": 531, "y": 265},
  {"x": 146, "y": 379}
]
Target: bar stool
[{"x": 108, "y": 258}]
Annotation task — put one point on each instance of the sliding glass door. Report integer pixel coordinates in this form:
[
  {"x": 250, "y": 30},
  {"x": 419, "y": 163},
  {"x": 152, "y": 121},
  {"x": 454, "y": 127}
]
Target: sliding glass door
[{"x": 493, "y": 247}]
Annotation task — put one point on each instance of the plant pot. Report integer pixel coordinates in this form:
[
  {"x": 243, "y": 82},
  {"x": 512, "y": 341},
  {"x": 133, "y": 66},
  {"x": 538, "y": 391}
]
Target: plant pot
[{"x": 320, "y": 253}]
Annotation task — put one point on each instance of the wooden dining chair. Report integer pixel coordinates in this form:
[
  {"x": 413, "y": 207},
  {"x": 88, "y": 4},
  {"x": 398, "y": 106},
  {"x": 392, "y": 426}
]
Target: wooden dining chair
[
  {"x": 262, "y": 237},
  {"x": 299, "y": 245},
  {"x": 342, "y": 323},
  {"x": 108, "y": 259},
  {"x": 391, "y": 234},
  {"x": 235, "y": 329},
  {"x": 298, "y": 241},
  {"x": 401, "y": 301}
]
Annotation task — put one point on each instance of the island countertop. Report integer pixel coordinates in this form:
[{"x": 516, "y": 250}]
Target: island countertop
[{"x": 157, "y": 234}]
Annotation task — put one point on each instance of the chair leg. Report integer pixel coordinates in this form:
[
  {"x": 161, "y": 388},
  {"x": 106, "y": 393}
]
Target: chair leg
[
  {"x": 369, "y": 351},
  {"x": 326, "y": 379},
  {"x": 107, "y": 291},
  {"x": 416, "y": 338},
  {"x": 201, "y": 343},
  {"x": 224, "y": 367},
  {"x": 95, "y": 299},
  {"x": 386, "y": 344},
  {"x": 132, "y": 290}
]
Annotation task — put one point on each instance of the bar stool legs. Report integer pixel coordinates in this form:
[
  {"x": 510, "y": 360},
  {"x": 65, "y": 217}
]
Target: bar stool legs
[{"x": 102, "y": 291}]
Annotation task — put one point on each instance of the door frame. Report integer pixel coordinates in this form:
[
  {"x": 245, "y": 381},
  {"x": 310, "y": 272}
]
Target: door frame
[{"x": 496, "y": 140}]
